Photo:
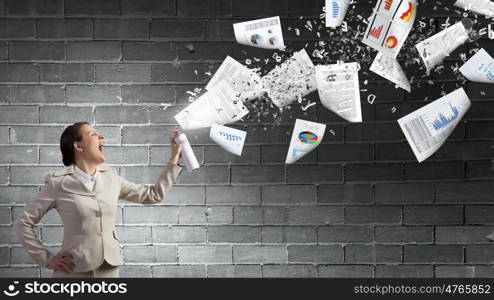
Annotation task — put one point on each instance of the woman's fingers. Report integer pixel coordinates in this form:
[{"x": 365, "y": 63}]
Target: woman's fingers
[
  {"x": 67, "y": 254},
  {"x": 69, "y": 262},
  {"x": 66, "y": 266},
  {"x": 63, "y": 267}
]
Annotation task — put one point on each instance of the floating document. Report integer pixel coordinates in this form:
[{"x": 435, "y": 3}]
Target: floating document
[
  {"x": 219, "y": 105},
  {"x": 230, "y": 139},
  {"x": 292, "y": 80},
  {"x": 335, "y": 12},
  {"x": 390, "y": 69},
  {"x": 306, "y": 137},
  {"x": 244, "y": 81},
  {"x": 428, "y": 128},
  {"x": 339, "y": 90},
  {"x": 436, "y": 48},
  {"x": 483, "y": 7},
  {"x": 479, "y": 68},
  {"x": 390, "y": 25},
  {"x": 263, "y": 33}
]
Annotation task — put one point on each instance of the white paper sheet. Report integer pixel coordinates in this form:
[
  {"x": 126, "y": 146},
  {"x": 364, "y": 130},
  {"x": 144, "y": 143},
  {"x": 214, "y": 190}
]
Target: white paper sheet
[
  {"x": 427, "y": 128},
  {"x": 339, "y": 90},
  {"x": 483, "y": 7},
  {"x": 335, "y": 12},
  {"x": 390, "y": 69},
  {"x": 230, "y": 139},
  {"x": 293, "y": 79},
  {"x": 262, "y": 33},
  {"x": 436, "y": 48},
  {"x": 390, "y": 25},
  {"x": 479, "y": 68},
  {"x": 306, "y": 137},
  {"x": 244, "y": 81},
  {"x": 219, "y": 105}
]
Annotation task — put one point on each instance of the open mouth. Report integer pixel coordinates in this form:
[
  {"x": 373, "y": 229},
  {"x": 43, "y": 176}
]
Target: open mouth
[{"x": 100, "y": 148}]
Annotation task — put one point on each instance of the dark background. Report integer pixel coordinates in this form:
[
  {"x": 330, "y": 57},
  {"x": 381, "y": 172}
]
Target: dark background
[{"x": 360, "y": 205}]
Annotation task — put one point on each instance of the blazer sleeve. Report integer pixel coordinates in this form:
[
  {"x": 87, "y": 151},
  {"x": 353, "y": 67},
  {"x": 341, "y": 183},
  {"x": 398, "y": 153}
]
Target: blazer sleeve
[
  {"x": 142, "y": 194},
  {"x": 31, "y": 215}
]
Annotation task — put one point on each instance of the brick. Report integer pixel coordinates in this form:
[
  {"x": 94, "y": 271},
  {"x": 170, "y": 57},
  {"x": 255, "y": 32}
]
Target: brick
[
  {"x": 5, "y": 218},
  {"x": 345, "y": 152},
  {"x": 274, "y": 215},
  {"x": 181, "y": 271},
  {"x": 164, "y": 114},
  {"x": 35, "y": 134},
  {"x": 37, "y": 51},
  {"x": 464, "y": 150},
  {"x": 433, "y": 253},
  {"x": 288, "y": 234},
  {"x": 93, "y": 94},
  {"x": 372, "y": 253},
  {"x": 149, "y": 51},
  {"x": 150, "y": 254},
  {"x": 16, "y": 194},
  {"x": 179, "y": 234},
  {"x": 121, "y": 114},
  {"x": 34, "y": 7},
  {"x": 403, "y": 234},
  {"x": 206, "y": 175},
  {"x": 247, "y": 215},
  {"x": 481, "y": 169},
  {"x": 234, "y": 234},
  {"x": 160, "y": 155},
  {"x": 257, "y": 174},
  {"x": 137, "y": 234},
  {"x": 178, "y": 29},
  {"x": 241, "y": 9},
  {"x": 313, "y": 173},
  {"x": 205, "y": 254},
  {"x": 62, "y": 29},
  {"x": 65, "y": 114},
  {"x": 479, "y": 214},
  {"x": 18, "y": 115},
  {"x": 19, "y": 72},
  {"x": 135, "y": 271},
  {"x": 219, "y": 215},
  {"x": 148, "y": 7},
  {"x": 123, "y": 73},
  {"x": 29, "y": 175},
  {"x": 93, "y": 51},
  {"x": 394, "y": 151},
  {"x": 315, "y": 254},
  {"x": 201, "y": 51},
  {"x": 20, "y": 256},
  {"x": 345, "y": 194},
  {"x": 121, "y": 29},
  {"x": 479, "y": 254},
  {"x": 345, "y": 271},
  {"x": 149, "y": 93},
  {"x": 404, "y": 271},
  {"x": 4, "y": 135},
  {"x": 126, "y": 155},
  {"x": 110, "y": 133},
  {"x": 4, "y": 255},
  {"x": 12, "y": 154},
  {"x": 455, "y": 271},
  {"x": 259, "y": 254},
  {"x": 434, "y": 170},
  {"x": 461, "y": 192},
  {"x": 483, "y": 271},
  {"x": 373, "y": 172},
  {"x": 220, "y": 30},
  {"x": 15, "y": 29},
  {"x": 91, "y": 7},
  {"x": 480, "y": 130},
  {"x": 434, "y": 215},
  {"x": 215, "y": 154},
  {"x": 404, "y": 193},
  {"x": 4, "y": 176},
  {"x": 373, "y": 214},
  {"x": 180, "y": 72},
  {"x": 38, "y": 94},
  {"x": 28, "y": 272},
  {"x": 235, "y": 195},
  {"x": 373, "y": 132},
  {"x": 192, "y": 215},
  {"x": 67, "y": 73},
  {"x": 345, "y": 234},
  {"x": 234, "y": 271},
  {"x": 288, "y": 194},
  {"x": 289, "y": 271},
  {"x": 139, "y": 174},
  {"x": 150, "y": 214},
  {"x": 315, "y": 215},
  {"x": 462, "y": 234},
  {"x": 4, "y": 93}
]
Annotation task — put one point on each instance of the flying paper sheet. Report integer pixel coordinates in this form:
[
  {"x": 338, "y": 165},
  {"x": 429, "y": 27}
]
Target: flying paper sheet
[
  {"x": 390, "y": 69},
  {"x": 427, "y": 128},
  {"x": 292, "y": 80},
  {"x": 230, "y": 139},
  {"x": 339, "y": 91},
  {"x": 263, "y": 33},
  {"x": 335, "y": 12},
  {"x": 306, "y": 137},
  {"x": 483, "y": 7},
  {"x": 244, "y": 81},
  {"x": 390, "y": 25},
  {"x": 219, "y": 105},
  {"x": 436, "y": 48},
  {"x": 479, "y": 68}
]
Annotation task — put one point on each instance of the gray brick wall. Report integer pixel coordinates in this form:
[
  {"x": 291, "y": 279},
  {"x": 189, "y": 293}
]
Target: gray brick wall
[{"x": 359, "y": 206}]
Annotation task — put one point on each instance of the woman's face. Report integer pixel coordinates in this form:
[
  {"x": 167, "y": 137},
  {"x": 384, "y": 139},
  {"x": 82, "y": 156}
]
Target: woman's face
[{"x": 90, "y": 147}]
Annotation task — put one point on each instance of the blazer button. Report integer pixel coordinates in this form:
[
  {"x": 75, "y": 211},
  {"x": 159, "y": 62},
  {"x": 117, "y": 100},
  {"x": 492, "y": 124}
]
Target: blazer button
[{"x": 98, "y": 214}]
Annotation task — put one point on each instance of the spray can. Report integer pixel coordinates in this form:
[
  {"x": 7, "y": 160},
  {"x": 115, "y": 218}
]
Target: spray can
[{"x": 188, "y": 156}]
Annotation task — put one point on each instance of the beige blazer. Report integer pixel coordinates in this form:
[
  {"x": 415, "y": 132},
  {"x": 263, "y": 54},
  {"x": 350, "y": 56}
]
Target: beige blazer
[{"x": 88, "y": 217}]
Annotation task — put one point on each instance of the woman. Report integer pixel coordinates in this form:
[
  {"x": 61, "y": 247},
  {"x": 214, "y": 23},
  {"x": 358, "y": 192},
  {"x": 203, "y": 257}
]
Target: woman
[{"x": 85, "y": 194}]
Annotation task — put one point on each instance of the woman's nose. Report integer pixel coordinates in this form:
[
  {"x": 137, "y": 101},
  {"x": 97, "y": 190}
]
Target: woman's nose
[{"x": 101, "y": 137}]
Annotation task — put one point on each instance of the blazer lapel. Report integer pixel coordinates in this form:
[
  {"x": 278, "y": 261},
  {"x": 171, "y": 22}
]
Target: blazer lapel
[
  {"x": 71, "y": 183},
  {"x": 102, "y": 180}
]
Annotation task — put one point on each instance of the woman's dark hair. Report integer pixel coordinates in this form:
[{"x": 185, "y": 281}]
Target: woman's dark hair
[{"x": 70, "y": 135}]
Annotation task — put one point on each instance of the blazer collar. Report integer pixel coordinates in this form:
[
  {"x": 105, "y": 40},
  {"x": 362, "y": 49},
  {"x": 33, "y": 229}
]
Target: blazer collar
[{"x": 72, "y": 184}]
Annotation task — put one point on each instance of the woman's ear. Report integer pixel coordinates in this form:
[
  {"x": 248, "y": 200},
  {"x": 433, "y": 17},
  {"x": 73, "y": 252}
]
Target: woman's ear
[{"x": 77, "y": 148}]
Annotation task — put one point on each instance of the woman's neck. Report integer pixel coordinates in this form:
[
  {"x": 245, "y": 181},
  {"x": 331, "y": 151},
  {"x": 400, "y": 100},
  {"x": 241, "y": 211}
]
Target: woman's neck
[{"x": 88, "y": 168}]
